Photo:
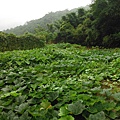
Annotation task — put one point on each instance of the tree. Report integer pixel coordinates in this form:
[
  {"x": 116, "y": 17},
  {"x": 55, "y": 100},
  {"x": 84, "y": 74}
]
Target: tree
[
  {"x": 106, "y": 15},
  {"x": 65, "y": 33}
]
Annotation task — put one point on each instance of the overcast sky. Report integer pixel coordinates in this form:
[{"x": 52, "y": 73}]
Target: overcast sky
[{"x": 17, "y": 12}]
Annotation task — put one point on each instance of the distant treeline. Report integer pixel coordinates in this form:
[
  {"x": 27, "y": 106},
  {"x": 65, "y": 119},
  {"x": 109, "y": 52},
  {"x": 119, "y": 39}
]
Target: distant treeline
[
  {"x": 10, "y": 42},
  {"x": 97, "y": 26}
]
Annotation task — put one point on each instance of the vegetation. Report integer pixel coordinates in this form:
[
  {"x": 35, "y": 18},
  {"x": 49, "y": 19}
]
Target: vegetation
[
  {"x": 63, "y": 81},
  {"x": 95, "y": 27},
  {"x": 60, "y": 82},
  {"x": 42, "y": 22},
  {"x": 10, "y": 42}
]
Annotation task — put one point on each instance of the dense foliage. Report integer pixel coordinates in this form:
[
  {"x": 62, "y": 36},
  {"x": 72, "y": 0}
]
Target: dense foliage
[
  {"x": 63, "y": 81},
  {"x": 98, "y": 26},
  {"x": 106, "y": 22},
  {"x": 60, "y": 82},
  {"x": 10, "y": 42}
]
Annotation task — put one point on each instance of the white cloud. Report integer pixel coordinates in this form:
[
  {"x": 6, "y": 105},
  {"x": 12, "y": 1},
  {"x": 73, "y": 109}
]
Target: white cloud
[{"x": 20, "y": 11}]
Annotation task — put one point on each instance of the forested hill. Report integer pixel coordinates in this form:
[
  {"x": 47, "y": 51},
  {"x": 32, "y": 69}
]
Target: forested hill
[
  {"x": 42, "y": 22},
  {"x": 98, "y": 26},
  {"x": 31, "y": 25}
]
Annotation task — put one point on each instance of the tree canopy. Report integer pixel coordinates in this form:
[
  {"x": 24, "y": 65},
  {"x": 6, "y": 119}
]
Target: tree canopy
[{"x": 97, "y": 26}]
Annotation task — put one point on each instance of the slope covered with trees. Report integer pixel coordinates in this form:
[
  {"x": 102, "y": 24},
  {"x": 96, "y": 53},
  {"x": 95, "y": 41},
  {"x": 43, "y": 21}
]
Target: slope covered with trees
[
  {"x": 98, "y": 26},
  {"x": 42, "y": 22}
]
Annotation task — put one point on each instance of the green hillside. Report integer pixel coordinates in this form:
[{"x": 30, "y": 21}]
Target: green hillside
[
  {"x": 31, "y": 25},
  {"x": 42, "y": 22},
  {"x": 96, "y": 26},
  {"x": 60, "y": 82}
]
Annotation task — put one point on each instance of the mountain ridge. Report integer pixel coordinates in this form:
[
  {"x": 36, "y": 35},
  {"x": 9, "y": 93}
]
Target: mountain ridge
[{"x": 48, "y": 18}]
